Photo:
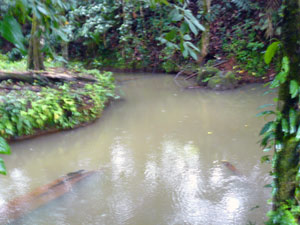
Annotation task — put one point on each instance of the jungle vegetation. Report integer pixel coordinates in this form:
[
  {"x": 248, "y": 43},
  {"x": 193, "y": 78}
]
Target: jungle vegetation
[{"x": 157, "y": 36}]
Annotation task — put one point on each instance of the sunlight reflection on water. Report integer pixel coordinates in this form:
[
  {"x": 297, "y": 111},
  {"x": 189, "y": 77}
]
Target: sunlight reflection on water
[{"x": 160, "y": 152}]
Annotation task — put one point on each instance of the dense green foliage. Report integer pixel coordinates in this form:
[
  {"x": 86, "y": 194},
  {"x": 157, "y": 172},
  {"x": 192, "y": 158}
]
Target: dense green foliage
[
  {"x": 283, "y": 133},
  {"x": 133, "y": 34},
  {"x": 288, "y": 211},
  {"x": 245, "y": 47},
  {"x": 4, "y": 149},
  {"x": 47, "y": 22},
  {"x": 24, "y": 111},
  {"x": 145, "y": 35},
  {"x": 153, "y": 35}
]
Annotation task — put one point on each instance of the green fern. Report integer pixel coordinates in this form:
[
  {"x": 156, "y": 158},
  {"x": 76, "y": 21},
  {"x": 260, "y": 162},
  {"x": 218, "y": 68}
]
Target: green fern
[
  {"x": 273, "y": 4},
  {"x": 243, "y": 4}
]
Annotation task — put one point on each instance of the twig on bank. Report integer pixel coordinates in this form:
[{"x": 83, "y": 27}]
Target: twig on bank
[
  {"x": 191, "y": 76},
  {"x": 220, "y": 63},
  {"x": 178, "y": 74}
]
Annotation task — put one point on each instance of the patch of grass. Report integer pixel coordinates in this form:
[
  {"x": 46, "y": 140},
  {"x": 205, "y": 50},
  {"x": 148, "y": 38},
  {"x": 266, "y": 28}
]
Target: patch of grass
[{"x": 7, "y": 65}]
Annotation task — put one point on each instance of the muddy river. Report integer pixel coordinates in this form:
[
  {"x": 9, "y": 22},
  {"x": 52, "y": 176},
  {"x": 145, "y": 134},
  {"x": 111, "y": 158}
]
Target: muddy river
[{"x": 162, "y": 154}]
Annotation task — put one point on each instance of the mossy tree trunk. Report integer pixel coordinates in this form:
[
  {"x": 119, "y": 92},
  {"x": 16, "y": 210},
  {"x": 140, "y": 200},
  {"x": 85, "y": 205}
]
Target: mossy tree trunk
[
  {"x": 204, "y": 42},
  {"x": 65, "y": 52},
  {"x": 286, "y": 158},
  {"x": 35, "y": 57}
]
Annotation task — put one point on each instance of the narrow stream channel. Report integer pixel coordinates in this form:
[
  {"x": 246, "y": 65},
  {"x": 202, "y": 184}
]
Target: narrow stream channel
[{"x": 160, "y": 155}]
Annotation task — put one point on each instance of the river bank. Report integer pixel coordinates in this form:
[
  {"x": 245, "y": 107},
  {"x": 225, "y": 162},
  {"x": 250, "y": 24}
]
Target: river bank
[
  {"x": 30, "y": 108},
  {"x": 52, "y": 104}
]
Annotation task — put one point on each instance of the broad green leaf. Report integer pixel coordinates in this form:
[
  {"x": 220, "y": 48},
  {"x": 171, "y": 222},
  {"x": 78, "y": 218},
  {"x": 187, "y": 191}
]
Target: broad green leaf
[
  {"x": 293, "y": 119},
  {"x": 61, "y": 34},
  {"x": 43, "y": 10},
  {"x": 267, "y": 127},
  {"x": 264, "y": 113},
  {"x": 285, "y": 64},
  {"x": 282, "y": 75},
  {"x": 267, "y": 149},
  {"x": 268, "y": 137},
  {"x": 271, "y": 51},
  {"x": 175, "y": 15},
  {"x": 11, "y": 30},
  {"x": 187, "y": 37},
  {"x": 265, "y": 106},
  {"x": 21, "y": 6},
  {"x": 4, "y": 147},
  {"x": 285, "y": 126},
  {"x": 298, "y": 134},
  {"x": 294, "y": 88},
  {"x": 184, "y": 28},
  {"x": 194, "y": 20},
  {"x": 190, "y": 44},
  {"x": 162, "y": 2},
  {"x": 171, "y": 35},
  {"x": 193, "y": 54},
  {"x": 265, "y": 158},
  {"x": 185, "y": 53},
  {"x": 279, "y": 79},
  {"x": 278, "y": 145},
  {"x": 191, "y": 26},
  {"x": 2, "y": 167}
]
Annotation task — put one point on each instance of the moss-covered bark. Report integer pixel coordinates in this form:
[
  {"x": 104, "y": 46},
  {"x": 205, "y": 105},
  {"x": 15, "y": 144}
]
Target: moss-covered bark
[
  {"x": 286, "y": 161},
  {"x": 204, "y": 42},
  {"x": 286, "y": 170},
  {"x": 65, "y": 52},
  {"x": 35, "y": 57}
]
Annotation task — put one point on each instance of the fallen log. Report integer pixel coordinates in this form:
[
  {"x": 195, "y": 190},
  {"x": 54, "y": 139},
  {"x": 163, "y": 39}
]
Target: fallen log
[
  {"x": 31, "y": 76},
  {"x": 42, "y": 195}
]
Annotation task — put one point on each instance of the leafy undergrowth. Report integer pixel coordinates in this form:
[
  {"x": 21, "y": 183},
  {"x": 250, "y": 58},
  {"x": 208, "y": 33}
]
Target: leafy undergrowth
[
  {"x": 7, "y": 65},
  {"x": 27, "y": 108}
]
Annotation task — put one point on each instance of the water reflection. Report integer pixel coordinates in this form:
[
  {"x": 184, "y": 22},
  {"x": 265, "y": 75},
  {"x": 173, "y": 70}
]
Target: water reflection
[
  {"x": 162, "y": 149},
  {"x": 122, "y": 162},
  {"x": 20, "y": 182},
  {"x": 232, "y": 204}
]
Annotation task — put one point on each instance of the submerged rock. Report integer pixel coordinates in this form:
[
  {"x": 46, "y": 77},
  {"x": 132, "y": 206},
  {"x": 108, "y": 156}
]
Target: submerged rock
[{"x": 221, "y": 82}]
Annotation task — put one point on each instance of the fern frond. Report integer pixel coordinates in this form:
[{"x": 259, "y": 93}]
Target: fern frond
[
  {"x": 243, "y": 4},
  {"x": 273, "y": 4}
]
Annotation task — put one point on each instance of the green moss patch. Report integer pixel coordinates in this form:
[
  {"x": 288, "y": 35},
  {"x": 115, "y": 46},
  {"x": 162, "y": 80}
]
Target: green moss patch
[
  {"x": 205, "y": 73},
  {"x": 222, "y": 82}
]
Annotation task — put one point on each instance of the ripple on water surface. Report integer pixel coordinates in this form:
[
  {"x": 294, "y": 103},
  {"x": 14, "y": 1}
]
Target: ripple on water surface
[{"x": 160, "y": 153}]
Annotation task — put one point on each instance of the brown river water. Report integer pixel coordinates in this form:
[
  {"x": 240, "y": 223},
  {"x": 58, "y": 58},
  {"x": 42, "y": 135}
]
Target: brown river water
[{"x": 159, "y": 152}]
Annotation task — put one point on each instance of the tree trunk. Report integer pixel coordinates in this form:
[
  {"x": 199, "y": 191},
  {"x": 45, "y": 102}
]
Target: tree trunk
[
  {"x": 204, "y": 43},
  {"x": 65, "y": 52},
  {"x": 287, "y": 159},
  {"x": 35, "y": 57}
]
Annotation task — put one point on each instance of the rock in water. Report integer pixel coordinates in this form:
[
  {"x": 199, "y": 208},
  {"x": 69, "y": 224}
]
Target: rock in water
[
  {"x": 222, "y": 82},
  {"x": 206, "y": 73}
]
